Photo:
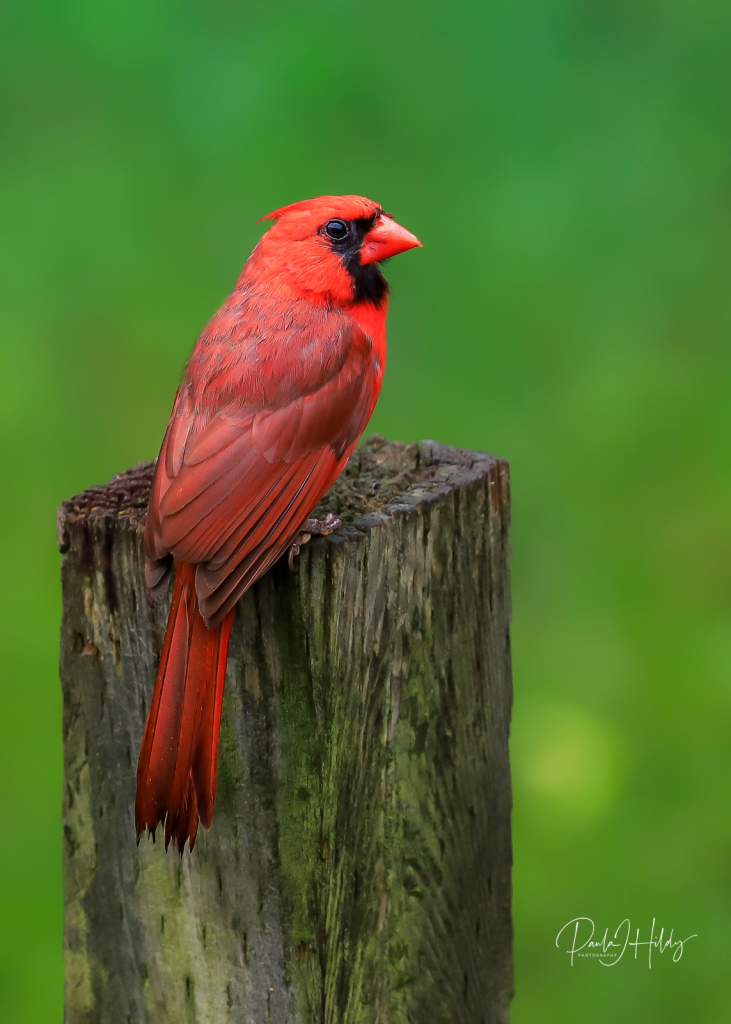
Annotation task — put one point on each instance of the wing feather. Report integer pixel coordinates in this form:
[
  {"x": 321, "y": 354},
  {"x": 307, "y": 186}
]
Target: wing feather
[
  {"x": 218, "y": 591},
  {"x": 234, "y": 484}
]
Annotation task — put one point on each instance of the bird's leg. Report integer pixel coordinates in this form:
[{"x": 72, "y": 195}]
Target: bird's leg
[{"x": 313, "y": 528}]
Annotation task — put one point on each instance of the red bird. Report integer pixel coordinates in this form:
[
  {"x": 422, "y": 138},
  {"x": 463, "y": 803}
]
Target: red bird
[{"x": 279, "y": 389}]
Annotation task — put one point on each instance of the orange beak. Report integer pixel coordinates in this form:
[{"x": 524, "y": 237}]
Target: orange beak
[{"x": 386, "y": 239}]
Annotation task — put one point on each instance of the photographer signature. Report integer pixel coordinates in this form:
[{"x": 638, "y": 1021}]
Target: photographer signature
[{"x": 608, "y": 951}]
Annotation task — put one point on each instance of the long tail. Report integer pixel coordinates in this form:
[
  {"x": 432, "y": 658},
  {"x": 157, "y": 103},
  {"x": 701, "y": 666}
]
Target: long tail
[{"x": 178, "y": 765}]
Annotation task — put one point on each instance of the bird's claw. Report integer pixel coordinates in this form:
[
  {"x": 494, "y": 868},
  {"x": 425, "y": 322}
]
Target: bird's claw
[{"x": 313, "y": 528}]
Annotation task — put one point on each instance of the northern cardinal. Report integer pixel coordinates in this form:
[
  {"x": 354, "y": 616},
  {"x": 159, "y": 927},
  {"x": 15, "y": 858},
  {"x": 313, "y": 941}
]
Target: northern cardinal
[{"x": 279, "y": 389}]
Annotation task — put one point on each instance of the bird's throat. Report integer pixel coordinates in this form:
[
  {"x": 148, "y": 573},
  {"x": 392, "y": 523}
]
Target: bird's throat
[{"x": 369, "y": 283}]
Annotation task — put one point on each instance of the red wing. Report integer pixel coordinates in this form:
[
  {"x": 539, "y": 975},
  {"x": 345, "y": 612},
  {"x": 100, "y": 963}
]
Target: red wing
[{"x": 231, "y": 495}]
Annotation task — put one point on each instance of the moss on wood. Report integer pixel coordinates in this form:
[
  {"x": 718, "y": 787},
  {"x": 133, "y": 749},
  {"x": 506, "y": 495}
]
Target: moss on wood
[{"x": 358, "y": 868}]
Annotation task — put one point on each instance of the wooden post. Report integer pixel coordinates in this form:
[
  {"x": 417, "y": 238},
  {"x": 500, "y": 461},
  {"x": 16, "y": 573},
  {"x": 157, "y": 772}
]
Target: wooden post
[{"x": 358, "y": 867}]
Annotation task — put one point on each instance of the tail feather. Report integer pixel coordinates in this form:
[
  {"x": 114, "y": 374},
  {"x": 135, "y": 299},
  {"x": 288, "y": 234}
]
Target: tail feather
[
  {"x": 156, "y": 763},
  {"x": 205, "y": 759},
  {"x": 182, "y": 820},
  {"x": 178, "y": 765}
]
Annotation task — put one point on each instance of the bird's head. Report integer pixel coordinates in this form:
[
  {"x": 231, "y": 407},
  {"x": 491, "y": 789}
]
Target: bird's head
[{"x": 328, "y": 249}]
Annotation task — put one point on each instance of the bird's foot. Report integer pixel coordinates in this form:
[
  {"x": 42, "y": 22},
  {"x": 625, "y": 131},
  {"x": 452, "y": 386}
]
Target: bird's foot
[{"x": 313, "y": 528}]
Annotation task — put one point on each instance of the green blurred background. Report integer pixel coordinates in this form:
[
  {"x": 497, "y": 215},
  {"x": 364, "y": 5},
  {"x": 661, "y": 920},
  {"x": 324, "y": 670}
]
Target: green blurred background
[{"x": 567, "y": 164}]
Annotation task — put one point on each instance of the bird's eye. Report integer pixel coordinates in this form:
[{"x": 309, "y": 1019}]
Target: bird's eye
[{"x": 336, "y": 229}]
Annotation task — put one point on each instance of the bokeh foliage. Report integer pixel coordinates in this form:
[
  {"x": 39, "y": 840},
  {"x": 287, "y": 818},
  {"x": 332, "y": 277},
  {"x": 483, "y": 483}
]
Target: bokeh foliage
[{"x": 567, "y": 166}]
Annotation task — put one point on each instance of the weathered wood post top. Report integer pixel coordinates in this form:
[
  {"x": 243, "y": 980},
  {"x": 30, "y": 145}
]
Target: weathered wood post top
[{"x": 358, "y": 868}]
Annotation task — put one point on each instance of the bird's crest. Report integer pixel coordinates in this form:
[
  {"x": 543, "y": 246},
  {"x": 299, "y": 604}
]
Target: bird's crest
[{"x": 347, "y": 207}]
